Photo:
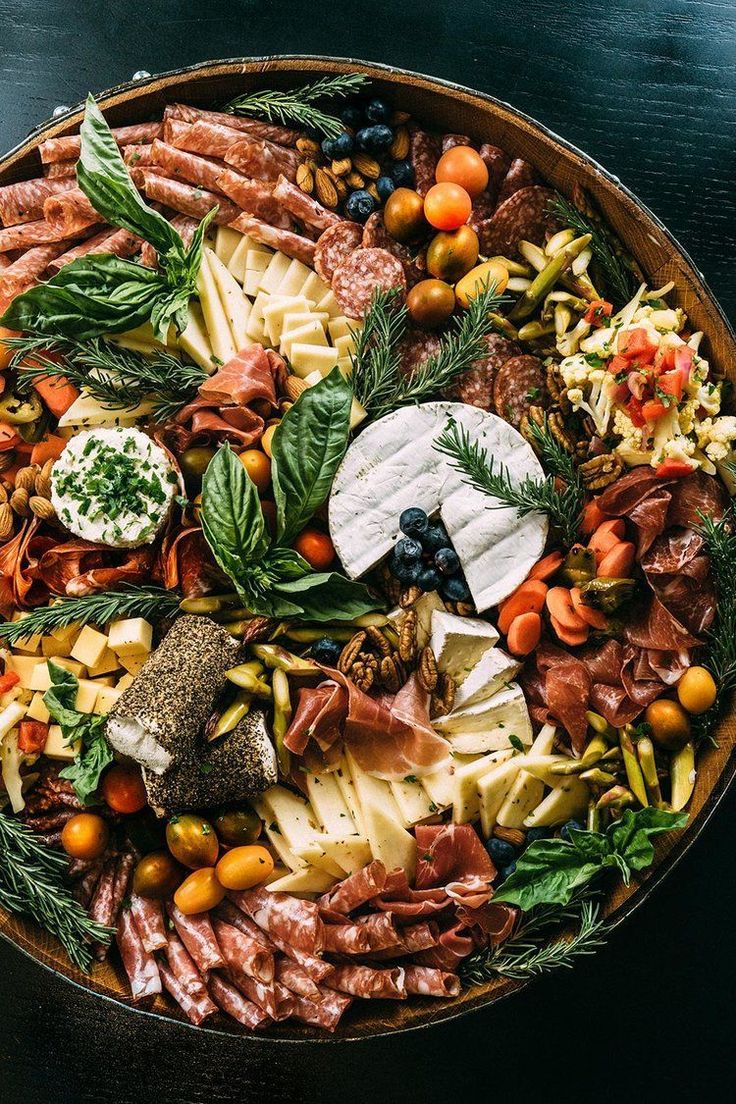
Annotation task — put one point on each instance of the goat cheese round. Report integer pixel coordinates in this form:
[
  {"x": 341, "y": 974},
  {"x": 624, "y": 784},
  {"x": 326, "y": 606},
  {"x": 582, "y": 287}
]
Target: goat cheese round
[{"x": 113, "y": 487}]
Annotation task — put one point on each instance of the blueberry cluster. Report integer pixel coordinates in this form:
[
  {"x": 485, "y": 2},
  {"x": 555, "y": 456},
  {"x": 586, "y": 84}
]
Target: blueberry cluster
[
  {"x": 369, "y": 132},
  {"x": 504, "y": 854},
  {"x": 424, "y": 557}
]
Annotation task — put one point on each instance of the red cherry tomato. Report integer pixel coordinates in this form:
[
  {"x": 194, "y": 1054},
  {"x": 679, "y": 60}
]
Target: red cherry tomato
[
  {"x": 123, "y": 789},
  {"x": 464, "y": 166},
  {"x": 447, "y": 206},
  {"x": 316, "y": 548}
]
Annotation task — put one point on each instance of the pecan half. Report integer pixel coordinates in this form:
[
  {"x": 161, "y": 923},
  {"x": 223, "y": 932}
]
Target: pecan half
[
  {"x": 601, "y": 471},
  {"x": 427, "y": 670},
  {"x": 378, "y": 640},
  {"x": 410, "y": 596},
  {"x": 362, "y": 676},
  {"x": 561, "y": 433},
  {"x": 392, "y": 673},
  {"x": 443, "y": 698},
  {"x": 408, "y": 637},
  {"x": 350, "y": 652}
]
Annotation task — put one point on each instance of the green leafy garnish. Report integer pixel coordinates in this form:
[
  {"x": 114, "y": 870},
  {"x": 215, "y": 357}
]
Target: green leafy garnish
[
  {"x": 613, "y": 266},
  {"x": 298, "y": 106},
  {"x": 719, "y": 535},
  {"x": 88, "y": 729}
]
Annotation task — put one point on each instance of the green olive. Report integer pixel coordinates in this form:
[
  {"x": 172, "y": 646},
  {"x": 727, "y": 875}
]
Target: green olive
[
  {"x": 237, "y": 827},
  {"x": 193, "y": 463},
  {"x": 157, "y": 875},
  {"x": 192, "y": 840},
  {"x": 403, "y": 215},
  {"x": 20, "y": 411},
  {"x": 452, "y": 253},
  {"x": 430, "y": 303}
]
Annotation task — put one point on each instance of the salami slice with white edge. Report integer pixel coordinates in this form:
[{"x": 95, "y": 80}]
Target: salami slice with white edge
[
  {"x": 497, "y": 162},
  {"x": 522, "y": 215},
  {"x": 334, "y": 246},
  {"x": 449, "y": 141},
  {"x": 363, "y": 273},
  {"x": 425, "y": 152},
  {"x": 520, "y": 175},
  {"x": 519, "y": 384},
  {"x": 416, "y": 347},
  {"x": 376, "y": 236},
  {"x": 475, "y": 386}
]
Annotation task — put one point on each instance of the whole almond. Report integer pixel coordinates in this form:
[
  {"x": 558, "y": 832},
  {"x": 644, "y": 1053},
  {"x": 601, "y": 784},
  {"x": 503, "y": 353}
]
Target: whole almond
[
  {"x": 25, "y": 479},
  {"x": 7, "y": 521},
  {"x": 305, "y": 179},
  {"x": 19, "y": 501},
  {"x": 294, "y": 387},
  {"x": 342, "y": 167},
  {"x": 401, "y": 144},
  {"x": 41, "y": 507},
  {"x": 366, "y": 165},
  {"x": 373, "y": 190},
  {"x": 308, "y": 146},
  {"x": 325, "y": 189},
  {"x": 355, "y": 180}
]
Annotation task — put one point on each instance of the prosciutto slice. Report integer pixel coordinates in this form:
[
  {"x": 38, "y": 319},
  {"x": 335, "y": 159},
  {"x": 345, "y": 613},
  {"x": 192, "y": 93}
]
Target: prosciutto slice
[
  {"x": 567, "y": 686},
  {"x": 138, "y": 963},
  {"x": 653, "y": 626},
  {"x": 453, "y": 853},
  {"x": 319, "y": 714},
  {"x": 246, "y": 378}
]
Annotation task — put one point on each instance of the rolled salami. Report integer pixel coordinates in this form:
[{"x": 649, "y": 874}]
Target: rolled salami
[
  {"x": 234, "y": 1004},
  {"x": 195, "y": 202},
  {"x": 288, "y": 918},
  {"x": 120, "y": 243},
  {"x": 197, "y": 1009},
  {"x": 149, "y": 921},
  {"x": 243, "y": 953},
  {"x": 281, "y": 135},
  {"x": 198, "y": 936},
  {"x": 262, "y": 160},
  {"x": 254, "y": 197},
  {"x": 303, "y": 207},
  {"x": 293, "y": 245},
  {"x": 186, "y": 166},
  {"x": 138, "y": 963},
  {"x": 68, "y": 148},
  {"x": 24, "y": 200},
  {"x": 70, "y": 212}
]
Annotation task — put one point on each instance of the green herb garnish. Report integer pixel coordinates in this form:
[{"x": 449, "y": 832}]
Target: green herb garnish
[
  {"x": 720, "y": 656},
  {"x": 297, "y": 107},
  {"x": 153, "y": 603},
  {"x": 87, "y": 729}
]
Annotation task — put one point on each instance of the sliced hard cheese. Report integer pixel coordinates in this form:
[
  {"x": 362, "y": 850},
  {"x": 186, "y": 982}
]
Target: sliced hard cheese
[
  {"x": 314, "y": 287},
  {"x": 524, "y": 795},
  {"x": 276, "y": 839},
  {"x": 329, "y": 303},
  {"x": 349, "y": 794},
  {"x": 465, "y": 797},
  {"x": 226, "y": 242},
  {"x": 236, "y": 306},
  {"x": 310, "y": 333},
  {"x": 369, "y": 789},
  {"x": 274, "y": 273},
  {"x": 390, "y": 843},
  {"x": 195, "y": 341},
  {"x": 86, "y": 411},
  {"x": 292, "y": 814},
  {"x": 342, "y": 327},
  {"x": 438, "y": 786},
  {"x": 309, "y": 880},
  {"x": 568, "y": 800},
  {"x": 314, "y": 855},
  {"x": 487, "y": 725},
  {"x": 274, "y": 309},
  {"x": 329, "y": 805},
  {"x": 415, "y": 804},
  {"x": 393, "y": 465},
  {"x": 294, "y": 279},
  {"x": 305, "y": 358},
  {"x": 351, "y": 852},
  {"x": 493, "y": 789},
  {"x": 218, "y": 327}
]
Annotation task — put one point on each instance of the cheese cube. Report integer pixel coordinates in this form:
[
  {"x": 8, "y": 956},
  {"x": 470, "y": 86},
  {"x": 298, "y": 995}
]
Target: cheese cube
[
  {"x": 257, "y": 260},
  {"x": 29, "y": 643},
  {"x": 87, "y": 692},
  {"x": 89, "y": 647},
  {"x": 314, "y": 287},
  {"x": 226, "y": 242},
  {"x": 41, "y": 677},
  {"x": 124, "y": 681},
  {"x": 37, "y": 710},
  {"x": 275, "y": 271},
  {"x": 106, "y": 698},
  {"x": 275, "y": 309},
  {"x": 237, "y": 263},
  {"x": 341, "y": 327},
  {"x": 53, "y": 648},
  {"x": 345, "y": 345},
  {"x": 133, "y": 664},
  {"x": 330, "y": 304},
  {"x": 131, "y": 636},
  {"x": 307, "y": 358},
  {"x": 56, "y": 746},
  {"x": 66, "y": 634},
  {"x": 296, "y": 319},
  {"x": 108, "y": 662},
  {"x": 23, "y": 667}
]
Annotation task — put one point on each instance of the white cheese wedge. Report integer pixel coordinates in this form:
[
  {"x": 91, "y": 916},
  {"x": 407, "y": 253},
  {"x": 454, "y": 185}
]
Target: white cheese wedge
[
  {"x": 568, "y": 800},
  {"x": 303, "y": 882},
  {"x": 487, "y": 725},
  {"x": 350, "y": 852},
  {"x": 86, "y": 412},
  {"x": 276, "y": 839},
  {"x": 459, "y": 643},
  {"x": 465, "y": 797},
  {"x": 314, "y": 287},
  {"x": 218, "y": 327},
  {"x": 274, "y": 273},
  {"x": 234, "y": 303},
  {"x": 393, "y": 465},
  {"x": 491, "y": 674},
  {"x": 226, "y": 242},
  {"x": 329, "y": 805}
]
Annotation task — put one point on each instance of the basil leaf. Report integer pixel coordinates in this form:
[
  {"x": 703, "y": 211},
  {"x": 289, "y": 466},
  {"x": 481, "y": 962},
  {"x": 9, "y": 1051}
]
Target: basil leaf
[
  {"x": 327, "y": 596},
  {"x": 232, "y": 519},
  {"x": 631, "y": 834},
  {"x": 95, "y": 753},
  {"x": 287, "y": 564},
  {"x": 548, "y": 872},
  {"x": 306, "y": 450},
  {"x": 85, "y": 772}
]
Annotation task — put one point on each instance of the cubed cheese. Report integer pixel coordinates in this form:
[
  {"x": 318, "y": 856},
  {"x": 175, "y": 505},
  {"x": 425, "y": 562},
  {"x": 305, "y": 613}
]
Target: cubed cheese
[
  {"x": 30, "y": 643},
  {"x": 132, "y": 636},
  {"x": 56, "y": 746},
  {"x": 66, "y": 634},
  {"x": 41, "y": 678},
  {"x": 311, "y": 332},
  {"x": 314, "y": 287},
  {"x": 87, "y": 692},
  {"x": 133, "y": 664},
  {"x": 344, "y": 345},
  {"x": 89, "y": 647},
  {"x": 275, "y": 309},
  {"x": 23, "y": 666},
  {"x": 257, "y": 260},
  {"x": 125, "y": 680},
  {"x": 226, "y": 242},
  {"x": 107, "y": 697},
  {"x": 341, "y": 327},
  {"x": 306, "y": 358},
  {"x": 52, "y": 648},
  {"x": 108, "y": 662},
  {"x": 37, "y": 710}
]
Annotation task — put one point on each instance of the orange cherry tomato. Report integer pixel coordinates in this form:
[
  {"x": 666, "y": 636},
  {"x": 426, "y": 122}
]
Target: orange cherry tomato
[
  {"x": 123, "y": 789},
  {"x": 85, "y": 836},
  {"x": 464, "y": 166},
  {"x": 267, "y": 438},
  {"x": 268, "y": 509},
  {"x": 258, "y": 467},
  {"x": 199, "y": 892},
  {"x": 316, "y": 548},
  {"x": 244, "y": 867},
  {"x": 6, "y": 354},
  {"x": 447, "y": 206}
]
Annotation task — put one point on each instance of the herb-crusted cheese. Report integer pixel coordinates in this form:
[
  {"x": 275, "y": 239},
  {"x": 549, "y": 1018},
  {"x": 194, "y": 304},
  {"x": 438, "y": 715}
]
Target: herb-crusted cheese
[{"x": 113, "y": 486}]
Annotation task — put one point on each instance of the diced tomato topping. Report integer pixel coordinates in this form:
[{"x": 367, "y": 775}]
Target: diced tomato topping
[
  {"x": 618, "y": 364},
  {"x": 32, "y": 736},
  {"x": 671, "y": 383},
  {"x": 683, "y": 362},
  {"x": 673, "y": 469},
  {"x": 634, "y": 410},
  {"x": 636, "y": 344},
  {"x": 8, "y": 681},
  {"x": 621, "y": 392},
  {"x": 597, "y": 313},
  {"x": 664, "y": 361},
  {"x": 653, "y": 409}
]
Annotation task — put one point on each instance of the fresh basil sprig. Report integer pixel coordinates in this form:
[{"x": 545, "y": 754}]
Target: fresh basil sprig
[
  {"x": 551, "y": 871},
  {"x": 95, "y": 753},
  {"x": 100, "y": 294}
]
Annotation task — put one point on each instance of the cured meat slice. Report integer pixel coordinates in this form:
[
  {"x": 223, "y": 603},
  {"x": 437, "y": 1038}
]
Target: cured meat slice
[
  {"x": 121, "y": 243},
  {"x": 29, "y": 234},
  {"x": 475, "y": 386},
  {"x": 334, "y": 246},
  {"x": 693, "y": 496},
  {"x": 138, "y": 963},
  {"x": 381, "y": 930},
  {"x": 68, "y": 148},
  {"x": 369, "y": 982},
  {"x": 449, "y": 141},
  {"x": 293, "y": 245},
  {"x": 23, "y": 201},
  {"x": 263, "y": 160},
  {"x": 416, "y": 347},
  {"x": 346, "y": 939},
  {"x": 520, "y": 175},
  {"x": 183, "y": 967},
  {"x": 254, "y": 197},
  {"x": 195, "y": 202},
  {"x": 294, "y": 921},
  {"x": 283, "y": 136},
  {"x": 449, "y": 853},
  {"x": 101, "y": 905},
  {"x": 70, "y": 213},
  {"x": 317, "y": 969},
  {"x": 376, "y": 236},
  {"x": 29, "y": 266},
  {"x": 139, "y": 155},
  {"x": 243, "y": 953},
  {"x": 232, "y": 1002},
  {"x": 149, "y": 920},
  {"x": 522, "y": 215},
  {"x": 519, "y": 384},
  {"x": 363, "y": 273},
  {"x": 183, "y": 165},
  {"x": 58, "y": 170},
  {"x": 427, "y": 982},
  {"x": 273, "y": 998},
  {"x": 245, "y": 379},
  {"x": 319, "y": 711},
  {"x": 303, "y": 207},
  {"x": 653, "y": 626},
  {"x": 196, "y": 1009},
  {"x": 326, "y": 1013},
  {"x": 483, "y": 207},
  {"x": 296, "y": 979},
  {"x": 198, "y": 936},
  {"x": 568, "y": 684},
  {"x": 497, "y": 162},
  {"x": 424, "y": 153}
]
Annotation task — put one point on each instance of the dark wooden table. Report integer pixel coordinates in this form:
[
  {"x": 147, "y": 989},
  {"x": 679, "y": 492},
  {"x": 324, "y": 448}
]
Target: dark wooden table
[{"x": 647, "y": 88}]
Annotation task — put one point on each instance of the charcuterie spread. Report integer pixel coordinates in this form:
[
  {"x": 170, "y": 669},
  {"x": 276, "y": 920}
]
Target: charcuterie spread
[{"x": 366, "y": 557}]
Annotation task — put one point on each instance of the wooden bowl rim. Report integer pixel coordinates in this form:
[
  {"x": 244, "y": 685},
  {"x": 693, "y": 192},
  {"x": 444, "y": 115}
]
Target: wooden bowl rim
[{"x": 439, "y": 1012}]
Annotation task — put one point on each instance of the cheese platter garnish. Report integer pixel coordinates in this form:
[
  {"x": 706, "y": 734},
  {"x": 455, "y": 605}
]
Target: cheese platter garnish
[{"x": 366, "y": 571}]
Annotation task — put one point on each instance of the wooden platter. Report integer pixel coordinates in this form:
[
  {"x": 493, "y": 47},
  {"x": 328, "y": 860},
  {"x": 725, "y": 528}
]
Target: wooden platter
[{"x": 455, "y": 109}]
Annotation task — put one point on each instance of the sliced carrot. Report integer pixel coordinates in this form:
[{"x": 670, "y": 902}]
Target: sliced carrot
[
  {"x": 573, "y": 639},
  {"x": 593, "y": 516},
  {"x": 559, "y": 604},
  {"x": 6, "y": 353},
  {"x": 50, "y": 448},
  {"x": 57, "y": 393},
  {"x": 605, "y": 537},
  {"x": 617, "y": 563},
  {"x": 8, "y": 437},
  {"x": 590, "y": 616},
  {"x": 529, "y": 596},
  {"x": 547, "y": 566},
  {"x": 524, "y": 633}
]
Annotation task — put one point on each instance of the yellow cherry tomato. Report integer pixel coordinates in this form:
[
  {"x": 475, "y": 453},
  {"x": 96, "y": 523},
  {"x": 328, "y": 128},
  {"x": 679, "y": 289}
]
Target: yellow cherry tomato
[
  {"x": 267, "y": 438},
  {"x": 200, "y": 892},
  {"x": 85, "y": 836},
  {"x": 697, "y": 690},
  {"x": 464, "y": 166},
  {"x": 244, "y": 867},
  {"x": 669, "y": 724},
  {"x": 452, "y": 253},
  {"x": 258, "y": 467},
  {"x": 403, "y": 215},
  {"x": 490, "y": 272},
  {"x": 430, "y": 303},
  {"x": 447, "y": 206}
]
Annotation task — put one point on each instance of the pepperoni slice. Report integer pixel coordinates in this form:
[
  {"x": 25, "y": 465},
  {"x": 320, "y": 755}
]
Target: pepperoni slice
[
  {"x": 425, "y": 152},
  {"x": 519, "y": 384},
  {"x": 366, "y": 270},
  {"x": 334, "y": 246},
  {"x": 475, "y": 386},
  {"x": 497, "y": 163},
  {"x": 522, "y": 215}
]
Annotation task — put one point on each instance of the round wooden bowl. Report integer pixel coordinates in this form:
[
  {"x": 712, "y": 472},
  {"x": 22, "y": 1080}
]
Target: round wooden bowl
[{"x": 454, "y": 108}]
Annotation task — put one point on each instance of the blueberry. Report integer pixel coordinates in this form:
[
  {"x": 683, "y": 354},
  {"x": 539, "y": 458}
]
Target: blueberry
[
  {"x": 538, "y": 834},
  {"x": 382, "y": 137},
  {"x": 326, "y": 651},
  {"x": 328, "y": 148},
  {"x": 428, "y": 579},
  {"x": 435, "y": 537},
  {"x": 403, "y": 571},
  {"x": 359, "y": 205},
  {"x": 565, "y": 829},
  {"x": 507, "y": 871},
  {"x": 447, "y": 561},
  {"x": 413, "y": 521},
  {"x": 402, "y": 173},
  {"x": 352, "y": 115},
  {"x": 378, "y": 111},
  {"x": 455, "y": 589},
  {"x": 501, "y": 852},
  {"x": 343, "y": 145},
  {"x": 364, "y": 139},
  {"x": 385, "y": 186},
  {"x": 408, "y": 550}
]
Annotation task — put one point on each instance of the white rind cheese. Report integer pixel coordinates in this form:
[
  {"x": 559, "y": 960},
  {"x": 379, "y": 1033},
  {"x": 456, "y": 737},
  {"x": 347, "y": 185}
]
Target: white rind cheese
[
  {"x": 488, "y": 725},
  {"x": 393, "y": 465}
]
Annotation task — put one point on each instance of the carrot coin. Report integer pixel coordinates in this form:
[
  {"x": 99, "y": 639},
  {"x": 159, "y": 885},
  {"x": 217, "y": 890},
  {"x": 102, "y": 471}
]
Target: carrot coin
[
  {"x": 527, "y": 597},
  {"x": 547, "y": 566},
  {"x": 593, "y": 516},
  {"x": 572, "y": 639},
  {"x": 590, "y": 616},
  {"x": 524, "y": 633},
  {"x": 617, "y": 563},
  {"x": 559, "y": 604}
]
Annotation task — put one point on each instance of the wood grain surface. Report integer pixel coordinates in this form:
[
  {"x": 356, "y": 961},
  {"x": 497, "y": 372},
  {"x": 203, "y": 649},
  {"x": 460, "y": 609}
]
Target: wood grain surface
[{"x": 645, "y": 89}]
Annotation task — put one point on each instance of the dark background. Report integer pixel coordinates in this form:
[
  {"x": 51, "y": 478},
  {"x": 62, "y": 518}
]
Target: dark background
[{"x": 647, "y": 88}]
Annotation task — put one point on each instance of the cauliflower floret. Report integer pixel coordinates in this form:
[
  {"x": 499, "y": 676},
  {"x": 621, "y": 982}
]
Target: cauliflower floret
[
  {"x": 686, "y": 416},
  {"x": 708, "y": 396},
  {"x": 678, "y": 448},
  {"x": 575, "y": 371},
  {"x": 624, "y": 427},
  {"x": 575, "y": 396},
  {"x": 667, "y": 319},
  {"x": 716, "y": 436}
]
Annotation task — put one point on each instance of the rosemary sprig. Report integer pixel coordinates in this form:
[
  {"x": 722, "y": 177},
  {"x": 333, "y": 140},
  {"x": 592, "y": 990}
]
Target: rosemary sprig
[
  {"x": 31, "y": 883},
  {"x": 720, "y": 541},
  {"x": 617, "y": 277},
  {"x": 297, "y": 106},
  {"x": 527, "y": 954},
  {"x": 379, "y": 383},
  {"x": 563, "y": 506},
  {"x": 153, "y": 603},
  {"x": 118, "y": 378}
]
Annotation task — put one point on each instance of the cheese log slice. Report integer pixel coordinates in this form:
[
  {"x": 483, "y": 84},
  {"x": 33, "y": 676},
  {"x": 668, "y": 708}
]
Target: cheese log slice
[{"x": 393, "y": 465}]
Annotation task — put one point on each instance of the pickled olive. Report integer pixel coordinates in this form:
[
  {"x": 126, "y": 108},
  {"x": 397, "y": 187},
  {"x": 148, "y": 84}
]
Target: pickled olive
[
  {"x": 451, "y": 255},
  {"x": 697, "y": 690},
  {"x": 192, "y": 840},
  {"x": 430, "y": 303},
  {"x": 199, "y": 892},
  {"x": 197, "y": 508},
  {"x": 607, "y": 594},
  {"x": 157, "y": 875},
  {"x": 20, "y": 411},
  {"x": 479, "y": 278},
  {"x": 237, "y": 827},
  {"x": 85, "y": 836},
  {"x": 403, "y": 215},
  {"x": 258, "y": 467},
  {"x": 244, "y": 867},
  {"x": 464, "y": 166},
  {"x": 669, "y": 724},
  {"x": 447, "y": 206},
  {"x": 578, "y": 566},
  {"x": 193, "y": 463}
]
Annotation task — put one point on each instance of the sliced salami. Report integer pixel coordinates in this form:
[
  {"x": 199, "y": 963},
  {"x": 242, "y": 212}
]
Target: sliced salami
[
  {"x": 294, "y": 921},
  {"x": 334, "y": 246},
  {"x": 416, "y": 347},
  {"x": 138, "y": 156},
  {"x": 520, "y": 175},
  {"x": 195, "y": 202},
  {"x": 303, "y": 207},
  {"x": 196, "y": 1009},
  {"x": 357, "y": 889},
  {"x": 293, "y": 245},
  {"x": 121, "y": 243},
  {"x": 364, "y": 272},
  {"x": 232, "y": 1002},
  {"x": 242, "y": 952},
  {"x": 23, "y": 201},
  {"x": 59, "y": 170},
  {"x": 376, "y": 236},
  {"x": 263, "y": 160},
  {"x": 519, "y": 384},
  {"x": 149, "y": 921},
  {"x": 283, "y": 136},
  {"x": 138, "y": 963},
  {"x": 425, "y": 152},
  {"x": 29, "y": 266},
  {"x": 483, "y": 207},
  {"x": 346, "y": 939},
  {"x": 497, "y": 162},
  {"x": 273, "y": 998},
  {"x": 207, "y": 139},
  {"x": 449, "y": 141},
  {"x": 186, "y": 166},
  {"x": 475, "y": 386},
  {"x": 29, "y": 234},
  {"x": 69, "y": 213},
  {"x": 197, "y": 935},
  {"x": 369, "y": 982},
  {"x": 296, "y": 979},
  {"x": 67, "y": 148},
  {"x": 183, "y": 967},
  {"x": 326, "y": 1013},
  {"x": 381, "y": 930},
  {"x": 431, "y": 983},
  {"x": 254, "y": 197},
  {"x": 522, "y": 215}
]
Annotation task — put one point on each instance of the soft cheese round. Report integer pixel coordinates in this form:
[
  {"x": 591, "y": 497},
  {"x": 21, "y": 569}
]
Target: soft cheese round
[
  {"x": 393, "y": 465},
  {"x": 113, "y": 486}
]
